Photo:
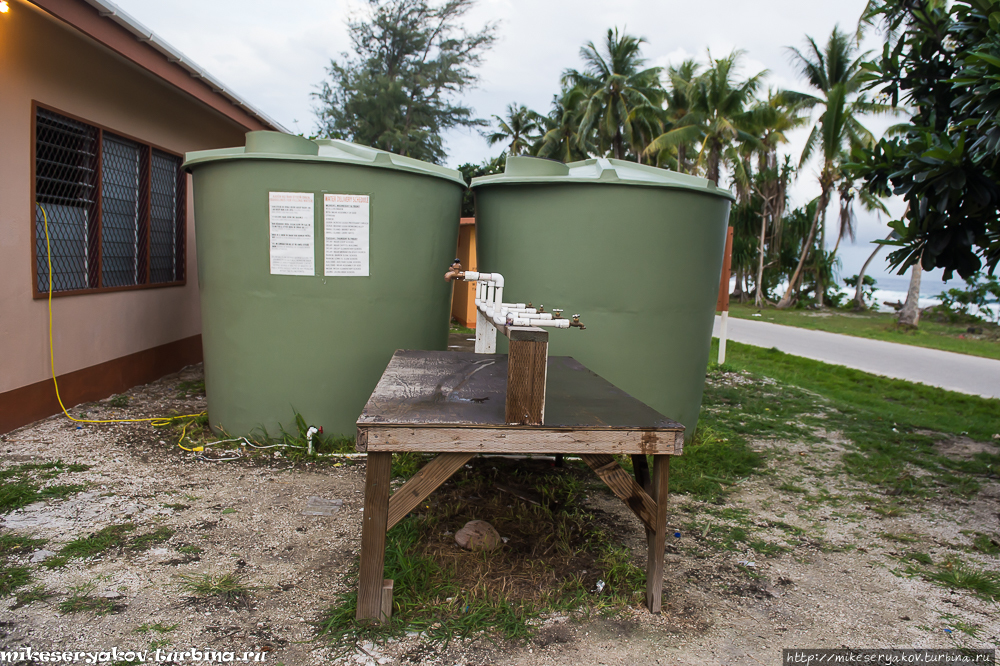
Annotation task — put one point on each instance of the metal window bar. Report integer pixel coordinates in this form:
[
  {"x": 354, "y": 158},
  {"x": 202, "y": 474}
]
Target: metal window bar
[
  {"x": 164, "y": 209},
  {"x": 122, "y": 208},
  {"x": 180, "y": 223},
  {"x": 66, "y": 185},
  {"x": 116, "y": 208}
]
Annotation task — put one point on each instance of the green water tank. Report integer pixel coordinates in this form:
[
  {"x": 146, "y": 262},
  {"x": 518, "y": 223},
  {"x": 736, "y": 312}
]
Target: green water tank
[
  {"x": 316, "y": 261},
  {"x": 636, "y": 250}
]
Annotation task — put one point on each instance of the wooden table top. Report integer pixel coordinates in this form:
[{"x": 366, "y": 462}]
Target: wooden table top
[{"x": 434, "y": 389}]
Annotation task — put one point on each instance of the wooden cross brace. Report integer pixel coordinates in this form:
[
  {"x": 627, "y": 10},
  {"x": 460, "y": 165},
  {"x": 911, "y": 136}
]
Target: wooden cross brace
[{"x": 383, "y": 511}]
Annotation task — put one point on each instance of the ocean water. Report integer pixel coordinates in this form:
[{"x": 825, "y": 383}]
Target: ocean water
[{"x": 893, "y": 288}]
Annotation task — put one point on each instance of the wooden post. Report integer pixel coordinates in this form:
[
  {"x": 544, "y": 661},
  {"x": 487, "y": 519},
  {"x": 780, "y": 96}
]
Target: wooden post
[
  {"x": 386, "y": 599},
  {"x": 370, "y": 580},
  {"x": 656, "y": 541},
  {"x": 723, "y": 303},
  {"x": 527, "y": 368}
]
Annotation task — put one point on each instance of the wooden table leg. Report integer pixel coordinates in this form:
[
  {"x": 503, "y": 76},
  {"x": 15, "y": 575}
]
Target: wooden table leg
[
  {"x": 370, "y": 581},
  {"x": 656, "y": 540}
]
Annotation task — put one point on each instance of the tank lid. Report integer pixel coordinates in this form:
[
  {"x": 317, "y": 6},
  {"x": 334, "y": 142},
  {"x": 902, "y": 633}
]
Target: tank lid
[
  {"x": 534, "y": 170},
  {"x": 278, "y": 146}
]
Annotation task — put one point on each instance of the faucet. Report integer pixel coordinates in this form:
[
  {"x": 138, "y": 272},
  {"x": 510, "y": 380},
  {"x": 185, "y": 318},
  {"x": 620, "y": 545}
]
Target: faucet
[
  {"x": 454, "y": 271},
  {"x": 576, "y": 322}
]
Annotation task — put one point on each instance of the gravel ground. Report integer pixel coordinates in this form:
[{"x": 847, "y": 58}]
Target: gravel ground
[{"x": 838, "y": 579}]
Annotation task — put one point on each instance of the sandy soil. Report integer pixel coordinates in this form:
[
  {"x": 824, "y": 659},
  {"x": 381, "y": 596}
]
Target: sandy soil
[{"x": 838, "y": 582}]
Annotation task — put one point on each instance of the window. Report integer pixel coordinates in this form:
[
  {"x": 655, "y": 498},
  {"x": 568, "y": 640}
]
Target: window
[{"x": 115, "y": 209}]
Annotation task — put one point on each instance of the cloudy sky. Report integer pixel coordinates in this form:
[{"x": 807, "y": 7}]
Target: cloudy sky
[{"x": 274, "y": 54}]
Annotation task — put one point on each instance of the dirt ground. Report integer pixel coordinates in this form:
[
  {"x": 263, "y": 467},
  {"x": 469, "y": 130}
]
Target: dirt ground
[{"x": 837, "y": 576}]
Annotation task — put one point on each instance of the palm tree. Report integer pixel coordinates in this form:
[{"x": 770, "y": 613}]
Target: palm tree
[
  {"x": 562, "y": 139},
  {"x": 519, "y": 125},
  {"x": 615, "y": 85},
  {"x": 835, "y": 73},
  {"x": 771, "y": 120},
  {"x": 683, "y": 126},
  {"x": 846, "y": 193},
  {"x": 718, "y": 113}
]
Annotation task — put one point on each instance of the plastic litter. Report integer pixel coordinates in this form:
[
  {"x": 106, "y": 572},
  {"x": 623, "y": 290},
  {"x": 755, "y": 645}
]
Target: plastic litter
[
  {"x": 747, "y": 563},
  {"x": 677, "y": 534},
  {"x": 599, "y": 587}
]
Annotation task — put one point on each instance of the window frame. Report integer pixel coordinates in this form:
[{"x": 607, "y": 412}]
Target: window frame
[{"x": 145, "y": 182}]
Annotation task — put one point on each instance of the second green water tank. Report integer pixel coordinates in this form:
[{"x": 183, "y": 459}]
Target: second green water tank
[
  {"x": 316, "y": 261},
  {"x": 635, "y": 249}
]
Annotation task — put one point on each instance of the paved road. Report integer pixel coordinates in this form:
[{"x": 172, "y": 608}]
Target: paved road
[{"x": 947, "y": 370}]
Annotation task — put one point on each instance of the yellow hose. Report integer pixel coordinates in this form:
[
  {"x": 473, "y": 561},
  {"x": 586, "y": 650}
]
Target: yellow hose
[{"x": 156, "y": 422}]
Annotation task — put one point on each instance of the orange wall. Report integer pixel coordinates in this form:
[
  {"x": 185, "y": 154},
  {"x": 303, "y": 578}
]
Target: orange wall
[
  {"x": 463, "y": 306},
  {"x": 44, "y": 60}
]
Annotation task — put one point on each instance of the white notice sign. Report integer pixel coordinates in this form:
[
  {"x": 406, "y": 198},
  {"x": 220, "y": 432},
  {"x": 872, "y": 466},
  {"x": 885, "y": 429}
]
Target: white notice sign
[
  {"x": 346, "y": 222},
  {"x": 293, "y": 228}
]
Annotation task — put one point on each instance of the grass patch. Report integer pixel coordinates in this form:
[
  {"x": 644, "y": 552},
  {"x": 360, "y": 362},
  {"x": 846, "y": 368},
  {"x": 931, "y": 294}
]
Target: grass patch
[
  {"x": 958, "y": 576},
  {"x": 766, "y": 549},
  {"x": 228, "y": 588},
  {"x": 12, "y": 578},
  {"x": 986, "y": 544},
  {"x": 120, "y": 400},
  {"x": 900, "y": 537},
  {"x": 16, "y": 495},
  {"x": 190, "y": 388},
  {"x": 189, "y": 550},
  {"x": 46, "y": 470},
  {"x": 556, "y": 557},
  {"x": 55, "y": 562},
  {"x": 712, "y": 463},
  {"x": 459, "y": 329},
  {"x": 12, "y": 544},
  {"x": 37, "y": 593},
  {"x": 292, "y": 442},
  {"x": 147, "y": 541},
  {"x": 157, "y": 627},
  {"x": 112, "y": 536},
  {"x": 881, "y": 326},
  {"x": 883, "y": 401},
  {"x": 81, "y": 601},
  {"x": 405, "y": 465},
  {"x": 889, "y": 433},
  {"x": 22, "y": 483}
]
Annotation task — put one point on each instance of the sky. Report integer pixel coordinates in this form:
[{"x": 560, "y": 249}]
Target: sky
[{"x": 274, "y": 55}]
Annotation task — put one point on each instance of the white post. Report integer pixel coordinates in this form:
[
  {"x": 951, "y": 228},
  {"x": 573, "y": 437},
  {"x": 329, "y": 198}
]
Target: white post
[
  {"x": 480, "y": 320},
  {"x": 722, "y": 337},
  {"x": 493, "y": 299}
]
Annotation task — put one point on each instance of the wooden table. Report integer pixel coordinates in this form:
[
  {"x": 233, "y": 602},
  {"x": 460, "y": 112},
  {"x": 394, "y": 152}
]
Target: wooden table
[{"x": 452, "y": 404}]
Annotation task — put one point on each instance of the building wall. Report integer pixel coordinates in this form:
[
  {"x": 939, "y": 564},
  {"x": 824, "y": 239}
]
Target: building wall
[
  {"x": 46, "y": 61},
  {"x": 463, "y": 298}
]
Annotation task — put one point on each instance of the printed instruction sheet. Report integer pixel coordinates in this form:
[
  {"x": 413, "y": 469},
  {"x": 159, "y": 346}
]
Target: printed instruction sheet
[
  {"x": 346, "y": 232},
  {"x": 293, "y": 229}
]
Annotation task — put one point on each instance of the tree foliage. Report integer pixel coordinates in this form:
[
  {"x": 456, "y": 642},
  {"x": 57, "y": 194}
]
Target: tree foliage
[
  {"x": 618, "y": 93},
  {"x": 942, "y": 61},
  {"x": 711, "y": 119},
  {"x": 400, "y": 89}
]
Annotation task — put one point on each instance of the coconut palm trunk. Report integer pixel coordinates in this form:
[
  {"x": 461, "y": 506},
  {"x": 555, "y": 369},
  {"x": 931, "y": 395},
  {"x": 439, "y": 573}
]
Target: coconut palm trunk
[
  {"x": 859, "y": 292},
  {"x": 793, "y": 283},
  {"x": 758, "y": 299}
]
